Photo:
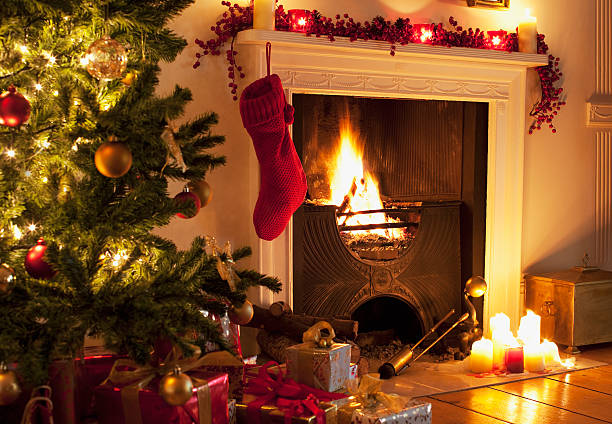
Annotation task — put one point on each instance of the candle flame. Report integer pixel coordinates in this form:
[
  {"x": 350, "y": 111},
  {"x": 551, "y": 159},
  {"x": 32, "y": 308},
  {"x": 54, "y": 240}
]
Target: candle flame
[
  {"x": 425, "y": 35},
  {"x": 496, "y": 40},
  {"x": 302, "y": 21}
]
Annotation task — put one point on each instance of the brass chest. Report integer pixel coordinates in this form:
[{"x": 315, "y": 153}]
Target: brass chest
[{"x": 575, "y": 305}]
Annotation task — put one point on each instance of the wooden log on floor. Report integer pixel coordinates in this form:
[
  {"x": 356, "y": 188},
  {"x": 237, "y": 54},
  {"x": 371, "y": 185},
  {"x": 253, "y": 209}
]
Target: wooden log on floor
[
  {"x": 293, "y": 326},
  {"x": 274, "y": 345},
  {"x": 343, "y": 327}
]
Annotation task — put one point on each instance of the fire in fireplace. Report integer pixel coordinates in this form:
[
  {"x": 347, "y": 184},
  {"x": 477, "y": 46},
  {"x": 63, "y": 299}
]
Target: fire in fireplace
[{"x": 394, "y": 221}]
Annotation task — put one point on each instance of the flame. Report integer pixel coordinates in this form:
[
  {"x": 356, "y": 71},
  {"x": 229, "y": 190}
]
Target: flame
[{"x": 348, "y": 170}]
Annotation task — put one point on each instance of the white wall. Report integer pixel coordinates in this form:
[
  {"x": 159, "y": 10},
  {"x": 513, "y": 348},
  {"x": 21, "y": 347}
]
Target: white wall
[{"x": 559, "y": 168}]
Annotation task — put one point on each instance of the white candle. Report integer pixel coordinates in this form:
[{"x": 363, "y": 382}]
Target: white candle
[
  {"x": 551, "y": 353},
  {"x": 264, "y": 14},
  {"x": 529, "y": 329},
  {"x": 481, "y": 358},
  {"x": 528, "y": 34},
  {"x": 534, "y": 358}
]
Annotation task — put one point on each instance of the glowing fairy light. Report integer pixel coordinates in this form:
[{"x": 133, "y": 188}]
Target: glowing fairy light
[
  {"x": 23, "y": 48},
  {"x": 28, "y": 173},
  {"x": 17, "y": 233},
  {"x": 75, "y": 147},
  {"x": 45, "y": 179},
  {"x": 32, "y": 227},
  {"x": 38, "y": 86},
  {"x": 10, "y": 153},
  {"x": 45, "y": 144},
  {"x": 55, "y": 93},
  {"x": 84, "y": 60},
  {"x": 75, "y": 102}
]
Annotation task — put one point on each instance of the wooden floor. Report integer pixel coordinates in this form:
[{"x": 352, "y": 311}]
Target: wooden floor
[{"x": 574, "y": 397}]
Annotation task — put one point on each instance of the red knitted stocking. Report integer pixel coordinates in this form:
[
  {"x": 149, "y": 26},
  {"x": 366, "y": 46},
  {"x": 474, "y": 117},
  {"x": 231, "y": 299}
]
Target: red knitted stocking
[{"x": 266, "y": 115}]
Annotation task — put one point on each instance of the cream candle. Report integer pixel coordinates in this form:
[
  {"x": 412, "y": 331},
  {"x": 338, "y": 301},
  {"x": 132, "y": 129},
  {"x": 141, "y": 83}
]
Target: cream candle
[
  {"x": 534, "y": 358},
  {"x": 481, "y": 358},
  {"x": 551, "y": 353},
  {"x": 528, "y": 34},
  {"x": 529, "y": 329},
  {"x": 264, "y": 14}
]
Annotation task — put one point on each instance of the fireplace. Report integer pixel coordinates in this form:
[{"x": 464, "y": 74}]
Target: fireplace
[
  {"x": 391, "y": 252},
  {"x": 310, "y": 65}
]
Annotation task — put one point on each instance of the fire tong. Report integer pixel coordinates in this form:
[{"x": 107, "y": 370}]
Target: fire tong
[{"x": 405, "y": 357}]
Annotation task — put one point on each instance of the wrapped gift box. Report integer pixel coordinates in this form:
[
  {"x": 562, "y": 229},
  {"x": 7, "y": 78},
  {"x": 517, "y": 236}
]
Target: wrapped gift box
[
  {"x": 415, "y": 412},
  {"x": 128, "y": 405},
  {"x": 322, "y": 368},
  {"x": 225, "y": 362},
  {"x": 273, "y": 415}
]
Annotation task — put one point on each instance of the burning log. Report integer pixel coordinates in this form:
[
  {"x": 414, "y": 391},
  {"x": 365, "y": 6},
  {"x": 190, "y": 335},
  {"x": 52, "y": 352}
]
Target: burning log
[{"x": 346, "y": 202}]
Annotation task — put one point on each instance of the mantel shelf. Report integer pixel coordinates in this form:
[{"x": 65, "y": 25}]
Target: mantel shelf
[{"x": 344, "y": 45}]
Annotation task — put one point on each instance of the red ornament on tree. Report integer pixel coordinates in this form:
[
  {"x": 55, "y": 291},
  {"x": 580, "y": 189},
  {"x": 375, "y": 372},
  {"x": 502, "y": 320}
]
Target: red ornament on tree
[
  {"x": 14, "y": 108},
  {"x": 34, "y": 263},
  {"x": 188, "y": 196}
]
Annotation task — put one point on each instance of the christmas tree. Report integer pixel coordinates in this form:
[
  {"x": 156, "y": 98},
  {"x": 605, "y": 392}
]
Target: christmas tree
[{"x": 87, "y": 152}]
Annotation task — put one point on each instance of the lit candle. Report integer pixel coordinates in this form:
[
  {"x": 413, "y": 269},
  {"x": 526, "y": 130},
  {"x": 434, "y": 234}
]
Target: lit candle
[
  {"x": 299, "y": 20},
  {"x": 496, "y": 39},
  {"x": 481, "y": 358},
  {"x": 534, "y": 358},
  {"x": 501, "y": 336},
  {"x": 529, "y": 329},
  {"x": 528, "y": 34},
  {"x": 551, "y": 353},
  {"x": 264, "y": 14},
  {"x": 514, "y": 359},
  {"x": 422, "y": 33}
]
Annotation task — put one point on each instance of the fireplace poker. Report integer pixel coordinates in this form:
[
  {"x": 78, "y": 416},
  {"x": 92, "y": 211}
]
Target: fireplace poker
[{"x": 404, "y": 358}]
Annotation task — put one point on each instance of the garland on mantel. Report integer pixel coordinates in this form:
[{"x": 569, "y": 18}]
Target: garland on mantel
[{"x": 238, "y": 18}]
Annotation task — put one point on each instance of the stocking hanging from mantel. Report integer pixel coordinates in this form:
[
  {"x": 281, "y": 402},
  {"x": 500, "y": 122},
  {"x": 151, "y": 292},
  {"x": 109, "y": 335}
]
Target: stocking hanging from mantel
[{"x": 266, "y": 116}]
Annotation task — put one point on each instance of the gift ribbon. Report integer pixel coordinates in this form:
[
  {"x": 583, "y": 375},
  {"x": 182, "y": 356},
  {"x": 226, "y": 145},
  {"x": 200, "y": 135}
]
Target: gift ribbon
[
  {"x": 139, "y": 376},
  {"x": 289, "y": 396}
]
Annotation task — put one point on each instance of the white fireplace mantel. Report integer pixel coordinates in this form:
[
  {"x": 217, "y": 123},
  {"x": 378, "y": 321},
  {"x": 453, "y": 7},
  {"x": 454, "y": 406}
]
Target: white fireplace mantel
[{"x": 365, "y": 68}]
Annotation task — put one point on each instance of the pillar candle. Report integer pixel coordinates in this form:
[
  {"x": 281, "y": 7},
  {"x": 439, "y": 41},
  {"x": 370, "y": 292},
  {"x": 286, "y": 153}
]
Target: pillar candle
[
  {"x": 514, "y": 359},
  {"x": 481, "y": 358},
  {"x": 299, "y": 20},
  {"x": 264, "y": 14},
  {"x": 534, "y": 358},
  {"x": 528, "y": 34},
  {"x": 551, "y": 353},
  {"x": 529, "y": 329}
]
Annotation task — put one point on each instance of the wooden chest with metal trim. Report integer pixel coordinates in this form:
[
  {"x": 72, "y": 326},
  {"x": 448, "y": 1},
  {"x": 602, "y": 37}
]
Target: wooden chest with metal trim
[{"x": 575, "y": 305}]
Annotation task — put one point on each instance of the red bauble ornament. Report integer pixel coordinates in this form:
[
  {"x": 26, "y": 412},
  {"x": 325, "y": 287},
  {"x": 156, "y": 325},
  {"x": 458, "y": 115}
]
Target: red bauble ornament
[
  {"x": 14, "y": 108},
  {"x": 188, "y": 196},
  {"x": 34, "y": 263}
]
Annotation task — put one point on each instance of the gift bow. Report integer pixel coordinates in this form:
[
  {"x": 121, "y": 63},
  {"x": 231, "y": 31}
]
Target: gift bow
[
  {"x": 314, "y": 336},
  {"x": 367, "y": 394},
  {"x": 289, "y": 396},
  {"x": 139, "y": 376}
]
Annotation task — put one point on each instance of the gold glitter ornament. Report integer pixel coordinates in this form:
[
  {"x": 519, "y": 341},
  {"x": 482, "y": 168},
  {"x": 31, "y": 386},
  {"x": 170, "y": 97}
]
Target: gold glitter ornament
[{"x": 106, "y": 59}]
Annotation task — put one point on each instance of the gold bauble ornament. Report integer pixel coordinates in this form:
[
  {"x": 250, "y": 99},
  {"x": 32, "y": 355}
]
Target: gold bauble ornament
[
  {"x": 476, "y": 286},
  {"x": 113, "y": 159},
  {"x": 176, "y": 388},
  {"x": 203, "y": 190},
  {"x": 242, "y": 315},
  {"x": 106, "y": 59},
  {"x": 9, "y": 386},
  {"x": 7, "y": 276}
]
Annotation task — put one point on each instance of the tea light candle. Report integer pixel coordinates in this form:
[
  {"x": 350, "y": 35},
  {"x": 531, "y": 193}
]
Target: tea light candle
[
  {"x": 299, "y": 20},
  {"x": 514, "y": 359},
  {"x": 528, "y": 34},
  {"x": 264, "y": 14},
  {"x": 534, "y": 358},
  {"x": 481, "y": 358},
  {"x": 422, "y": 33},
  {"x": 551, "y": 353},
  {"x": 529, "y": 329},
  {"x": 496, "y": 40}
]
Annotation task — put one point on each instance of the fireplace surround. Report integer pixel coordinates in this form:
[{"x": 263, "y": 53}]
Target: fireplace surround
[{"x": 315, "y": 65}]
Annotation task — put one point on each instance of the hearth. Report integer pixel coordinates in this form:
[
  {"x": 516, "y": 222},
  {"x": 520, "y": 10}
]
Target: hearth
[{"x": 398, "y": 261}]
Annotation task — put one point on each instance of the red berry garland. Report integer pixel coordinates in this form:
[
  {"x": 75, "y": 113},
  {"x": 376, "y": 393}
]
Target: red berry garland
[{"x": 239, "y": 18}]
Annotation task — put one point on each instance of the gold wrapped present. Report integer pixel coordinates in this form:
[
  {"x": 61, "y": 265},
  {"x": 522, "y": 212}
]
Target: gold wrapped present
[{"x": 273, "y": 415}]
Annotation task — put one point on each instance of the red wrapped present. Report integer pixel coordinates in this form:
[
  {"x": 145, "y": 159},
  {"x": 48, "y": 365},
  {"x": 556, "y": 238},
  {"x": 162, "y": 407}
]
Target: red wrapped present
[
  {"x": 130, "y": 395},
  {"x": 90, "y": 371},
  {"x": 225, "y": 362},
  {"x": 272, "y": 397}
]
